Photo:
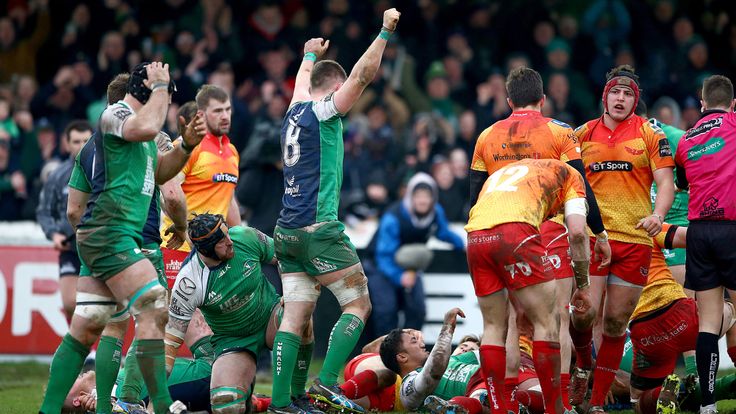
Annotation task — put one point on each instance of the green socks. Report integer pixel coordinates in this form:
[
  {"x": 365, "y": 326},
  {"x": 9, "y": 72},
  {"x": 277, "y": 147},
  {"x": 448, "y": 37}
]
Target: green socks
[
  {"x": 65, "y": 367},
  {"x": 301, "y": 370},
  {"x": 344, "y": 336},
  {"x": 152, "y": 362},
  {"x": 690, "y": 365},
  {"x": 285, "y": 353},
  {"x": 130, "y": 390},
  {"x": 107, "y": 364}
]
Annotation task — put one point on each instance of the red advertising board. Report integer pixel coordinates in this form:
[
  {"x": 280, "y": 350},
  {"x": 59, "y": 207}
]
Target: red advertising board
[{"x": 32, "y": 319}]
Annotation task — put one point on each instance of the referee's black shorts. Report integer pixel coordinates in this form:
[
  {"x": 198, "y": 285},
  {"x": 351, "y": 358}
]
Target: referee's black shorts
[{"x": 711, "y": 255}]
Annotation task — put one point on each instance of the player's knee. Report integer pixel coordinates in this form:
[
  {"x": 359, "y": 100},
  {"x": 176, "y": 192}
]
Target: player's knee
[
  {"x": 352, "y": 290},
  {"x": 228, "y": 400},
  {"x": 149, "y": 304},
  {"x": 614, "y": 326},
  {"x": 96, "y": 309},
  {"x": 300, "y": 289}
]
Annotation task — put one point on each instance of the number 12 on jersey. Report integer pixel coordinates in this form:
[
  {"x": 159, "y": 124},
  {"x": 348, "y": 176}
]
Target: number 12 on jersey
[{"x": 506, "y": 178}]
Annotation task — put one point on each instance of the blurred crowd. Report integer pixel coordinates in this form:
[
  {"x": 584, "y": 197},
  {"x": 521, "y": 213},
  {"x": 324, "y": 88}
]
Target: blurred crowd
[{"x": 442, "y": 80}]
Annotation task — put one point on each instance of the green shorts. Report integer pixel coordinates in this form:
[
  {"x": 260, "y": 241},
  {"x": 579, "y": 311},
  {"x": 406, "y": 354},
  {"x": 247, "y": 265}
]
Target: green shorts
[
  {"x": 152, "y": 251},
  {"x": 107, "y": 251},
  {"x": 674, "y": 257},
  {"x": 314, "y": 250},
  {"x": 252, "y": 344}
]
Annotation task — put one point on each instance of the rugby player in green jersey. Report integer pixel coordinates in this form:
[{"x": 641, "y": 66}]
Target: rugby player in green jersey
[
  {"x": 126, "y": 171},
  {"x": 222, "y": 278},
  {"x": 311, "y": 245}
]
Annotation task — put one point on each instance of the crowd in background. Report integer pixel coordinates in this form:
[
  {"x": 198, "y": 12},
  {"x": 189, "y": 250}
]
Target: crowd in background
[{"x": 442, "y": 79}]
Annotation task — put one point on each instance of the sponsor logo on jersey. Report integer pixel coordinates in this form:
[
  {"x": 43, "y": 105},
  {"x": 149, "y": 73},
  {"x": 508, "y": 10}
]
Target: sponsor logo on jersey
[
  {"x": 712, "y": 146},
  {"x": 213, "y": 297},
  {"x": 667, "y": 336},
  {"x": 610, "y": 166},
  {"x": 516, "y": 157},
  {"x": 291, "y": 189},
  {"x": 711, "y": 210},
  {"x": 248, "y": 269},
  {"x": 516, "y": 145},
  {"x": 664, "y": 148},
  {"x": 560, "y": 123},
  {"x": 225, "y": 178},
  {"x": 322, "y": 266},
  {"x": 122, "y": 113},
  {"x": 703, "y": 128},
  {"x": 187, "y": 285},
  {"x": 634, "y": 151}
]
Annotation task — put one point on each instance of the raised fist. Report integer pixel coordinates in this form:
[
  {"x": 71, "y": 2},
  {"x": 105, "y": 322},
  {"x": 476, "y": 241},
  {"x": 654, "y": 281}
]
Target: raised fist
[
  {"x": 391, "y": 19},
  {"x": 317, "y": 45}
]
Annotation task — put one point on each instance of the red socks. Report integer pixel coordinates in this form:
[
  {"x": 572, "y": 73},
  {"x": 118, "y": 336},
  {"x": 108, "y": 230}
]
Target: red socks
[
  {"x": 565, "y": 390},
  {"x": 583, "y": 342},
  {"x": 360, "y": 384},
  {"x": 532, "y": 400},
  {"x": 471, "y": 404},
  {"x": 493, "y": 367},
  {"x": 609, "y": 358},
  {"x": 546, "y": 357},
  {"x": 509, "y": 394},
  {"x": 260, "y": 404}
]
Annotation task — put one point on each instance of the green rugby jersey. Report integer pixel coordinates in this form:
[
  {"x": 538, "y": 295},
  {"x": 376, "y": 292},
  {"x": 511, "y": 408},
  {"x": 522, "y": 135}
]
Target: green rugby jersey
[
  {"x": 678, "y": 211},
  {"x": 235, "y": 297},
  {"x": 123, "y": 175},
  {"x": 455, "y": 380}
]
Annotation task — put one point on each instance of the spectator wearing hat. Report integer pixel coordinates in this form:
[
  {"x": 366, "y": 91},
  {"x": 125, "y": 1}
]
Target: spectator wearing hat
[{"x": 400, "y": 255}]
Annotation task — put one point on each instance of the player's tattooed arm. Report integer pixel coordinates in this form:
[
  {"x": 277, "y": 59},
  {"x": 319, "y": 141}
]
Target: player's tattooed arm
[
  {"x": 175, "y": 331},
  {"x": 426, "y": 381}
]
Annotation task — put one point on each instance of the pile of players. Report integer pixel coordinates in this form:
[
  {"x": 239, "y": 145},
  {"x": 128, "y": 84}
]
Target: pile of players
[{"x": 536, "y": 186}]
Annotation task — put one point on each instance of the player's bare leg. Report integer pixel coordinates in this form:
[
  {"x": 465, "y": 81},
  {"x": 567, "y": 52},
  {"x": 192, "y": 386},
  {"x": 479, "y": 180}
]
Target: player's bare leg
[
  {"x": 581, "y": 333},
  {"x": 232, "y": 377},
  {"x": 494, "y": 308},
  {"x": 564, "y": 292},
  {"x": 538, "y": 302},
  {"x": 68, "y": 289}
]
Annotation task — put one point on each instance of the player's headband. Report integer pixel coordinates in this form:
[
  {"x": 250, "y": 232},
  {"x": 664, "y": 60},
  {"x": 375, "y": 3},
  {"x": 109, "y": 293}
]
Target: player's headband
[
  {"x": 205, "y": 231},
  {"x": 136, "y": 86},
  {"x": 626, "y": 79}
]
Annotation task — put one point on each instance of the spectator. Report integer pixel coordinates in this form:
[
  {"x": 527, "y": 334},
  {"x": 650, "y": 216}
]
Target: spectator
[
  {"x": 459, "y": 162},
  {"x": 468, "y": 133},
  {"x": 51, "y": 215},
  {"x": 63, "y": 99},
  {"x": 559, "y": 103},
  {"x": 369, "y": 204},
  {"x": 451, "y": 195},
  {"x": 110, "y": 59},
  {"x": 394, "y": 287},
  {"x": 491, "y": 105},
  {"x": 667, "y": 111},
  {"x": 580, "y": 97},
  {"x": 18, "y": 53},
  {"x": 12, "y": 182},
  {"x": 261, "y": 183}
]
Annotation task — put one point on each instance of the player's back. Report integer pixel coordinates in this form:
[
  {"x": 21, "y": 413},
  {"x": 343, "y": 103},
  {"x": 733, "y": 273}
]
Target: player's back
[
  {"x": 312, "y": 151},
  {"x": 707, "y": 152},
  {"x": 524, "y": 135},
  {"x": 527, "y": 191}
]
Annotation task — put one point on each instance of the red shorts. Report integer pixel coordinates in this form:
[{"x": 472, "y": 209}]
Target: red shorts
[
  {"x": 554, "y": 239},
  {"x": 629, "y": 261},
  {"x": 509, "y": 255},
  {"x": 659, "y": 338},
  {"x": 381, "y": 400},
  {"x": 173, "y": 259}
]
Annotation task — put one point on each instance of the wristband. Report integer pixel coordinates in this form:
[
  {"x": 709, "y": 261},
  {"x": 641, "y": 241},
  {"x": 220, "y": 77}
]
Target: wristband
[
  {"x": 185, "y": 147},
  {"x": 580, "y": 269},
  {"x": 310, "y": 56},
  {"x": 660, "y": 218},
  {"x": 159, "y": 85},
  {"x": 385, "y": 34},
  {"x": 601, "y": 237}
]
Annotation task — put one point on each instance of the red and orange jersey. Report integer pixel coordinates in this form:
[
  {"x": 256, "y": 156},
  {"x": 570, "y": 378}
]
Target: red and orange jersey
[
  {"x": 524, "y": 135},
  {"x": 210, "y": 178},
  {"x": 661, "y": 288},
  {"x": 619, "y": 166},
  {"x": 527, "y": 191}
]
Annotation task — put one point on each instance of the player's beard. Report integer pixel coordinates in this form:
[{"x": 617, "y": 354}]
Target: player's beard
[{"x": 217, "y": 130}]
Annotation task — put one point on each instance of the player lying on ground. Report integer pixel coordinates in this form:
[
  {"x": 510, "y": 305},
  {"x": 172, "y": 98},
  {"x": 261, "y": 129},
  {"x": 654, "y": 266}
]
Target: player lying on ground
[
  {"x": 222, "y": 277},
  {"x": 189, "y": 380}
]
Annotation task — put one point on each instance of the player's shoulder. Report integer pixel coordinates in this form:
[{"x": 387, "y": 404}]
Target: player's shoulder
[
  {"x": 115, "y": 113},
  {"x": 556, "y": 124},
  {"x": 649, "y": 128},
  {"x": 584, "y": 129}
]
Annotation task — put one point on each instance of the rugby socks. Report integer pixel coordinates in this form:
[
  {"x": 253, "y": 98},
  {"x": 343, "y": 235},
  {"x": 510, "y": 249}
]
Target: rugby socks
[
  {"x": 706, "y": 355},
  {"x": 285, "y": 351},
  {"x": 532, "y": 400},
  {"x": 301, "y": 369},
  {"x": 107, "y": 365},
  {"x": 609, "y": 358},
  {"x": 132, "y": 386},
  {"x": 471, "y": 404},
  {"x": 565, "y": 390},
  {"x": 546, "y": 355},
  {"x": 509, "y": 394},
  {"x": 725, "y": 388},
  {"x": 360, "y": 384},
  {"x": 65, "y": 367},
  {"x": 583, "y": 343},
  {"x": 344, "y": 336},
  {"x": 493, "y": 367},
  {"x": 260, "y": 404},
  {"x": 648, "y": 400},
  {"x": 691, "y": 367},
  {"x": 152, "y": 363},
  {"x": 732, "y": 353}
]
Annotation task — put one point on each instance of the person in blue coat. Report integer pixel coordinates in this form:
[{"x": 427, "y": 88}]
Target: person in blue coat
[{"x": 400, "y": 255}]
